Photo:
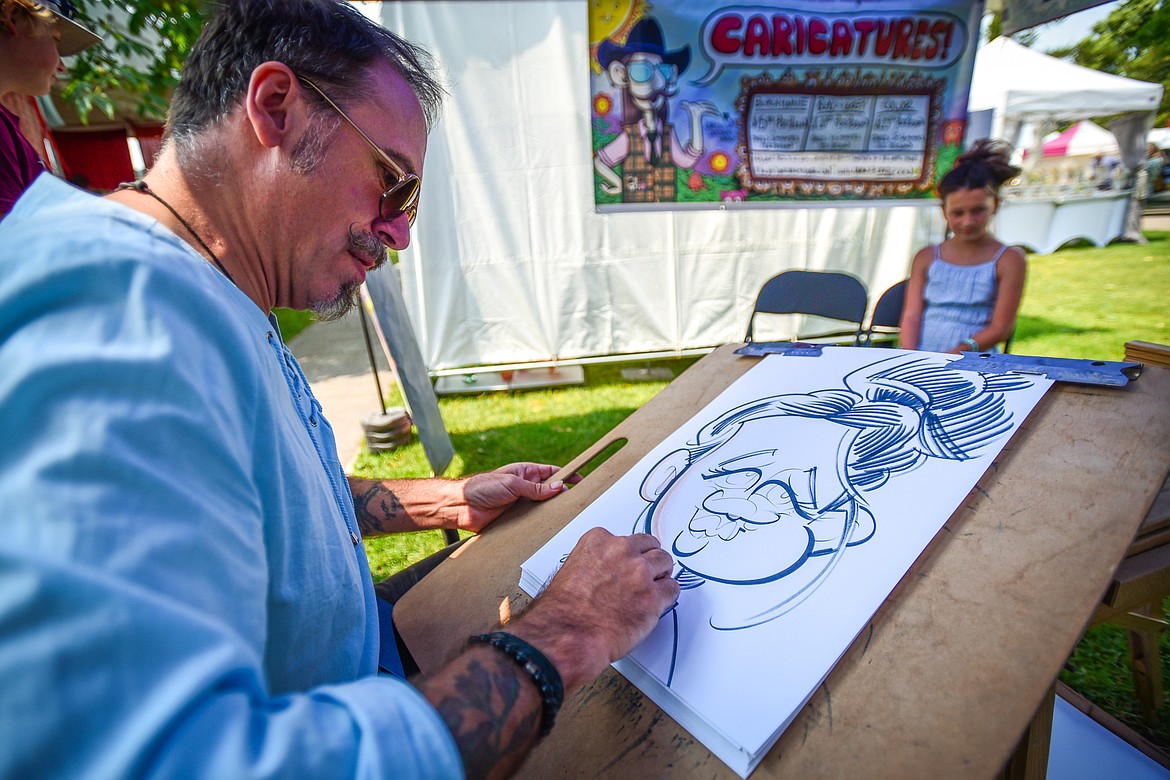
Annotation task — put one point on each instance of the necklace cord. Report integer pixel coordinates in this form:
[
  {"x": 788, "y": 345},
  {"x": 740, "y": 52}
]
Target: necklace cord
[{"x": 142, "y": 187}]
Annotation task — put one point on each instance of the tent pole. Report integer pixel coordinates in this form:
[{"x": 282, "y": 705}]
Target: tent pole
[{"x": 370, "y": 353}]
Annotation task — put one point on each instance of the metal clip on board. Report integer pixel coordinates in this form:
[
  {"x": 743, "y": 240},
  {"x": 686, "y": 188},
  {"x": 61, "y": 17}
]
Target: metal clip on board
[
  {"x": 796, "y": 348},
  {"x": 1086, "y": 372}
]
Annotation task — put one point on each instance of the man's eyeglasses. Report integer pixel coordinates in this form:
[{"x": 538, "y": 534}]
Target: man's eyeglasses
[{"x": 402, "y": 196}]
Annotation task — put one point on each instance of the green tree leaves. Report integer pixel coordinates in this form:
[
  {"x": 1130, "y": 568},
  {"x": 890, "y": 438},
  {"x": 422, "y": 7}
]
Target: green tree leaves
[
  {"x": 1132, "y": 41},
  {"x": 133, "y": 71}
]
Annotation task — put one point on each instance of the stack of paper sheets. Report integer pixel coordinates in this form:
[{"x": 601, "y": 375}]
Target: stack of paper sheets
[{"x": 792, "y": 505}]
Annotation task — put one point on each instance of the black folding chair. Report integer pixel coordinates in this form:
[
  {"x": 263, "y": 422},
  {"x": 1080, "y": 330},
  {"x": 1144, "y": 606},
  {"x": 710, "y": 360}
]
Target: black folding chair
[
  {"x": 827, "y": 294},
  {"x": 885, "y": 324}
]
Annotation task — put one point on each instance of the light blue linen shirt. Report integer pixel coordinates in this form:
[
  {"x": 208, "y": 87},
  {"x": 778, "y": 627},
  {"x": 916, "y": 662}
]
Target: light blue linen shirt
[{"x": 182, "y": 593}]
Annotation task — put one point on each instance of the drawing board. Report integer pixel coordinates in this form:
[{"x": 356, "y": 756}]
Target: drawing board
[{"x": 793, "y": 504}]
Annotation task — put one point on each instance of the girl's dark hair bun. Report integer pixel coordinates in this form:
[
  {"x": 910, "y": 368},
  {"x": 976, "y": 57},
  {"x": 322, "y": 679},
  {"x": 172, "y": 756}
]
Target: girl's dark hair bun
[{"x": 986, "y": 165}]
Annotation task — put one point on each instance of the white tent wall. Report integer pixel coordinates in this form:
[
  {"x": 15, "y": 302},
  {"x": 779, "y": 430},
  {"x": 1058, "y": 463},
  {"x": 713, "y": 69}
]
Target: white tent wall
[{"x": 510, "y": 262}]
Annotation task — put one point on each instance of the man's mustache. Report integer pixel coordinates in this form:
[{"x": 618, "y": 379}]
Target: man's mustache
[{"x": 366, "y": 244}]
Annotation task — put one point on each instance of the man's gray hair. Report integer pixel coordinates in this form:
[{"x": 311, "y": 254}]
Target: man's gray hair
[{"x": 327, "y": 41}]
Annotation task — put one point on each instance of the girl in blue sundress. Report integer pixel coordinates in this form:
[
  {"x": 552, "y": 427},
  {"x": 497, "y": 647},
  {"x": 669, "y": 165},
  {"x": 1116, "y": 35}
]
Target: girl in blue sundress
[{"x": 964, "y": 294}]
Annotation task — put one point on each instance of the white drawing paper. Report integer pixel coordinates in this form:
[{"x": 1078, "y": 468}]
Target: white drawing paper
[{"x": 792, "y": 505}]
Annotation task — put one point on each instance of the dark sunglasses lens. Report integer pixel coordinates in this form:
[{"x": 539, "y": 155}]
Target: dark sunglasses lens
[{"x": 402, "y": 198}]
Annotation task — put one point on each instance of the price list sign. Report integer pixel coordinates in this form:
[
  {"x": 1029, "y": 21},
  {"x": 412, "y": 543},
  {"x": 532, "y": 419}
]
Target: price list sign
[{"x": 838, "y": 136}]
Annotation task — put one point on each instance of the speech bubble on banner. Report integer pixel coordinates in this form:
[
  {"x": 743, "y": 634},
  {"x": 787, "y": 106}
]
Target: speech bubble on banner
[{"x": 770, "y": 37}]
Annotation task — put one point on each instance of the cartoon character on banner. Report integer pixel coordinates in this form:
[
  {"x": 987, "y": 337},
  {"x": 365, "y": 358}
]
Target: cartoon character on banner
[{"x": 647, "y": 148}]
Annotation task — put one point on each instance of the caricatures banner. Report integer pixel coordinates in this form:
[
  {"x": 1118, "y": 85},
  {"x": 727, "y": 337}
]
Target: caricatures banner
[{"x": 779, "y": 101}]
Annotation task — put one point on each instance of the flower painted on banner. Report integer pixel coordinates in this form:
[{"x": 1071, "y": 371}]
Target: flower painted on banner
[
  {"x": 602, "y": 104},
  {"x": 720, "y": 162},
  {"x": 695, "y": 182}
]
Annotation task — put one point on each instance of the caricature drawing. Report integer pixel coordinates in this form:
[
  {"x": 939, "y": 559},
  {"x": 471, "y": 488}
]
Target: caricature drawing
[
  {"x": 647, "y": 148},
  {"x": 774, "y": 521}
]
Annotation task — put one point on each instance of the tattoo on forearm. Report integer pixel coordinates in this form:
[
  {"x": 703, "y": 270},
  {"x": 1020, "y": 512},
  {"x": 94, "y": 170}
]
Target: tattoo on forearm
[
  {"x": 480, "y": 713},
  {"x": 377, "y": 509}
]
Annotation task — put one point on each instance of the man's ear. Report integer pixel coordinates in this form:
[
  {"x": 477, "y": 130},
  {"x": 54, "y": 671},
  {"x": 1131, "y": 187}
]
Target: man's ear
[
  {"x": 617, "y": 74},
  {"x": 271, "y": 102}
]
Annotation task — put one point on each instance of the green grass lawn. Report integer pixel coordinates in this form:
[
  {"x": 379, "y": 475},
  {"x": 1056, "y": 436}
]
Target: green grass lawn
[
  {"x": 1081, "y": 302},
  {"x": 1087, "y": 302}
]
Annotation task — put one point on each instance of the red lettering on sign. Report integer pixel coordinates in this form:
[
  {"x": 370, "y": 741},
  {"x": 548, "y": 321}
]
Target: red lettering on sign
[
  {"x": 902, "y": 39},
  {"x": 755, "y": 37},
  {"x": 818, "y": 41},
  {"x": 842, "y": 45},
  {"x": 864, "y": 28},
  {"x": 722, "y": 40},
  {"x": 778, "y": 35}
]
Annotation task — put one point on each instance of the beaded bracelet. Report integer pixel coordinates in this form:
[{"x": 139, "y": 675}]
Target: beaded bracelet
[
  {"x": 973, "y": 344},
  {"x": 539, "y": 668}
]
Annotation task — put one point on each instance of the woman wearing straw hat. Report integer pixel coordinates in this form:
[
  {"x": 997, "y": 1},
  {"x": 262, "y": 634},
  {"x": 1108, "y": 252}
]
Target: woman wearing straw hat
[{"x": 33, "y": 39}]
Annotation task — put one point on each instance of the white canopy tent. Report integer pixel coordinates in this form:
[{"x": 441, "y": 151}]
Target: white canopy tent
[
  {"x": 1021, "y": 85},
  {"x": 1084, "y": 152},
  {"x": 1084, "y": 139},
  {"x": 1024, "y": 86}
]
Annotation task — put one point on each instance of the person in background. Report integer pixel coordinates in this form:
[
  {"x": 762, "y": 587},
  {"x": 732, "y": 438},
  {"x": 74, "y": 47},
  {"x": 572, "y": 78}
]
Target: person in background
[
  {"x": 33, "y": 39},
  {"x": 964, "y": 294},
  {"x": 1155, "y": 162},
  {"x": 183, "y": 588}
]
